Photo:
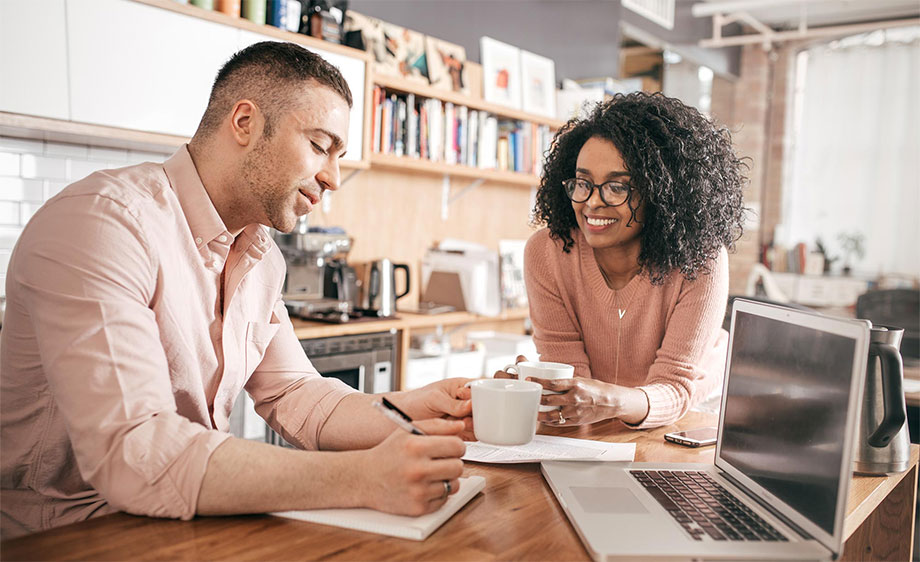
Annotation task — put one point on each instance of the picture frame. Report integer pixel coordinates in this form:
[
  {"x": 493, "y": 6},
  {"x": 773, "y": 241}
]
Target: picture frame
[
  {"x": 397, "y": 51},
  {"x": 447, "y": 69},
  {"x": 538, "y": 84},
  {"x": 501, "y": 72}
]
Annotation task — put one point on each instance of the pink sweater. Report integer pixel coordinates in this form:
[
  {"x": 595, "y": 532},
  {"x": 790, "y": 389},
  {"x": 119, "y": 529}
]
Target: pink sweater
[{"x": 664, "y": 339}]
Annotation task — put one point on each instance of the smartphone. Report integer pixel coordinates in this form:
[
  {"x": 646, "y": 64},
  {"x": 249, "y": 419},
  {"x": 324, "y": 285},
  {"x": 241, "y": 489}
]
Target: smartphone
[{"x": 699, "y": 437}]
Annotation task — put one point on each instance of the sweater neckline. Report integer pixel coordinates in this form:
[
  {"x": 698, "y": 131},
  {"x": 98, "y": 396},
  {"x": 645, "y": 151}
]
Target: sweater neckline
[{"x": 615, "y": 297}]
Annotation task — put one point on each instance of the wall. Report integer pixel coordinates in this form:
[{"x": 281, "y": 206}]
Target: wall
[{"x": 32, "y": 171}]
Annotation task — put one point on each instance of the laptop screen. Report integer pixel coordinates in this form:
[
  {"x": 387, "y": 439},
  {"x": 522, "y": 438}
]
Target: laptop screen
[{"x": 785, "y": 413}]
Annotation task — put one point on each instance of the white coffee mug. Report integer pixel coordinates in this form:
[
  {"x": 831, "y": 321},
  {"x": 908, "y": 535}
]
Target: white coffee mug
[
  {"x": 542, "y": 370},
  {"x": 505, "y": 410}
]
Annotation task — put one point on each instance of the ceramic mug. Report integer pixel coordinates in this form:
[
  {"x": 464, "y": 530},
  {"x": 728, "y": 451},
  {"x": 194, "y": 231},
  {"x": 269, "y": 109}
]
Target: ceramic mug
[
  {"x": 542, "y": 370},
  {"x": 505, "y": 410}
]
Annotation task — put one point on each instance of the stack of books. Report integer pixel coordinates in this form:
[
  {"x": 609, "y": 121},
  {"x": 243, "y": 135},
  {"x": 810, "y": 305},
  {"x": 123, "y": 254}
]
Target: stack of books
[{"x": 439, "y": 131}]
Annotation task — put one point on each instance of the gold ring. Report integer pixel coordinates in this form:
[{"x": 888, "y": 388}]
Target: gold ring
[{"x": 561, "y": 417}]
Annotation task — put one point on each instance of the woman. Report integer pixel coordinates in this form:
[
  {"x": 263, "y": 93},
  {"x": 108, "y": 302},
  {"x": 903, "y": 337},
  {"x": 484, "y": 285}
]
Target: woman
[{"x": 628, "y": 282}]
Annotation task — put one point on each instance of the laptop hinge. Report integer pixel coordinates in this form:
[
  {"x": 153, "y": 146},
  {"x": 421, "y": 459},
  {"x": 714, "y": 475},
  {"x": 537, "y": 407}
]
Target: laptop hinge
[{"x": 776, "y": 513}]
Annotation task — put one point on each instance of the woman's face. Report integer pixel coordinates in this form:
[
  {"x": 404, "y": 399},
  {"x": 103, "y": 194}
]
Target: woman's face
[{"x": 605, "y": 226}]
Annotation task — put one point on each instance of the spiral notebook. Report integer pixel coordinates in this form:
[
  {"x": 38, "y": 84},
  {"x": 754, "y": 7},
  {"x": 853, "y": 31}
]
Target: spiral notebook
[{"x": 373, "y": 521}]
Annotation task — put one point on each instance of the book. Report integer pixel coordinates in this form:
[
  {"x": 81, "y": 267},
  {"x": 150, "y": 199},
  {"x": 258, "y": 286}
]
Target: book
[{"x": 373, "y": 521}]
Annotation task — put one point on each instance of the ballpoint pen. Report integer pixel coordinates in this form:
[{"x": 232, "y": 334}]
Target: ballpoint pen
[{"x": 397, "y": 416}]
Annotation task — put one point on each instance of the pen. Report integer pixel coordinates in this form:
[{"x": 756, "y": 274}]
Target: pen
[{"x": 397, "y": 416}]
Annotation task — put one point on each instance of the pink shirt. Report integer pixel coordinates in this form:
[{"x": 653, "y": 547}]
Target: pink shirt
[
  {"x": 119, "y": 371},
  {"x": 664, "y": 339}
]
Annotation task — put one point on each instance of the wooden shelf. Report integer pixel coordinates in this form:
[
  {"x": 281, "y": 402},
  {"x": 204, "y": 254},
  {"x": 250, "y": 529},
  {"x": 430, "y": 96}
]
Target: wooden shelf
[
  {"x": 405, "y": 321},
  {"x": 379, "y": 160},
  {"x": 399, "y": 85},
  {"x": 264, "y": 29},
  {"x": 58, "y": 130}
]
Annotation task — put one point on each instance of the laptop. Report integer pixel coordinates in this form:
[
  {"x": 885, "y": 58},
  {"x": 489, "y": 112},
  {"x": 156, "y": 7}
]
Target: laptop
[{"x": 778, "y": 489}]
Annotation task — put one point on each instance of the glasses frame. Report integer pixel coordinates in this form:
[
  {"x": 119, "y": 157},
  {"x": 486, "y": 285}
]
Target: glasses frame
[{"x": 600, "y": 191}]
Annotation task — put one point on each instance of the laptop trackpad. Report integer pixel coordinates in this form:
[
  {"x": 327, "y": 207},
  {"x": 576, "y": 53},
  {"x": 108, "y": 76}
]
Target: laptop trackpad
[{"x": 594, "y": 499}]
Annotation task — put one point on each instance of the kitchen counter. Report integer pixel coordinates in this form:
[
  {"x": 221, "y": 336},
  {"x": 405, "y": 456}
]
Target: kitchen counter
[{"x": 305, "y": 329}]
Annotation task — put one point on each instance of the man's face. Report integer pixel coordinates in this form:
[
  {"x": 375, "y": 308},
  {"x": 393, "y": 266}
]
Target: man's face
[{"x": 284, "y": 175}]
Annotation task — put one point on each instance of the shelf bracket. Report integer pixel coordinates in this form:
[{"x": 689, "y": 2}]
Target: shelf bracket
[{"x": 447, "y": 198}]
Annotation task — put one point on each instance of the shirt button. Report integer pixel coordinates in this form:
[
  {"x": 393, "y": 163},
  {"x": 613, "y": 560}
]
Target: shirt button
[
  {"x": 198, "y": 240},
  {"x": 222, "y": 238}
]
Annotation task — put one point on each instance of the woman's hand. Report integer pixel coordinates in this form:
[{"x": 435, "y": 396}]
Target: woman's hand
[
  {"x": 585, "y": 401},
  {"x": 582, "y": 400},
  {"x": 507, "y": 375}
]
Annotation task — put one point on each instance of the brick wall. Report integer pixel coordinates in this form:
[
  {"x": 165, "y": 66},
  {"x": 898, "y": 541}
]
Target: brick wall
[{"x": 32, "y": 171}]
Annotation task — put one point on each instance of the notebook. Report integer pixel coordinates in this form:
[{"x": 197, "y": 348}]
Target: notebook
[
  {"x": 373, "y": 521},
  {"x": 778, "y": 489}
]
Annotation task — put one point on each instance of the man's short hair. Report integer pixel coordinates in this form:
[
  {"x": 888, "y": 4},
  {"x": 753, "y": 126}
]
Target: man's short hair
[{"x": 268, "y": 73}]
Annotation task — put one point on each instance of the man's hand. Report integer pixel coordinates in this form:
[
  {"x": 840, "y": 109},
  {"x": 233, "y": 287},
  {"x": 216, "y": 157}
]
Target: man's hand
[
  {"x": 449, "y": 398},
  {"x": 406, "y": 474}
]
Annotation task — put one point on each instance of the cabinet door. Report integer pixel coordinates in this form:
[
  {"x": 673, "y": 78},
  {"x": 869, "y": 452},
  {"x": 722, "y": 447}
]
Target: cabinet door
[
  {"x": 352, "y": 70},
  {"x": 141, "y": 67},
  {"x": 33, "y": 58}
]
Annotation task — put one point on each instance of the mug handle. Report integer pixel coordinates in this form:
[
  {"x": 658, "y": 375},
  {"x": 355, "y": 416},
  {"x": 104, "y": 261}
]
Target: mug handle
[{"x": 508, "y": 369}]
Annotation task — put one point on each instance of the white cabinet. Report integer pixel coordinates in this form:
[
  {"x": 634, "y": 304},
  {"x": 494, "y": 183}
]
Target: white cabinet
[
  {"x": 140, "y": 67},
  {"x": 33, "y": 58},
  {"x": 352, "y": 70}
]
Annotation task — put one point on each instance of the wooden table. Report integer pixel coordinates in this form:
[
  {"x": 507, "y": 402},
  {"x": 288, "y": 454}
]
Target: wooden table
[{"x": 516, "y": 517}]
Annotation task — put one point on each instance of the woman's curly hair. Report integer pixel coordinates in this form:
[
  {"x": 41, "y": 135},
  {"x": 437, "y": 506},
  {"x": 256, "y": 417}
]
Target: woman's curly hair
[{"x": 681, "y": 165}]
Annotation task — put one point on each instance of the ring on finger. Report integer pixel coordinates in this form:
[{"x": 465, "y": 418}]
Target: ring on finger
[
  {"x": 561, "y": 417},
  {"x": 447, "y": 489}
]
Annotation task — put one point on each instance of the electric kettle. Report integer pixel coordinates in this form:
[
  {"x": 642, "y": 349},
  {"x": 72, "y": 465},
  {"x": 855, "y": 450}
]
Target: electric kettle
[
  {"x": 378, "y": 286},
  {"x": 883, "y": 444}
]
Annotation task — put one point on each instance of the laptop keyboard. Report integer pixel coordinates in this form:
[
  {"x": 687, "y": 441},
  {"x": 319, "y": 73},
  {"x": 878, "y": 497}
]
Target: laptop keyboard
[{"x": 703, "y": 507}]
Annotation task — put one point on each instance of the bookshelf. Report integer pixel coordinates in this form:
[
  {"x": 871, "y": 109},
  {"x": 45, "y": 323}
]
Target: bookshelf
[{"x": 535, "y": 131}]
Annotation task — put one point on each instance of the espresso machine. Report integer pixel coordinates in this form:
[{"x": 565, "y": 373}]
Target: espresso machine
[{"x": 319, "y": 285}]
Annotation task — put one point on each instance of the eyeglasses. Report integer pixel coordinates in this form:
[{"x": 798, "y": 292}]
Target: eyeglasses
[{"x": 613, "y": 193}]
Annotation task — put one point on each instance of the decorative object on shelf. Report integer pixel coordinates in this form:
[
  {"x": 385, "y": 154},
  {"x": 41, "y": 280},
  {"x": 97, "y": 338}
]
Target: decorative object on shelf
[
  {"x": 828, "y": 259},
  {"x": 254, "y": 11},
  {"x": 501, "y": 72},
  {"x": 446, "y": 66},
  {"x": 852, "y": 245},
  {"x": 203, "y": 4},
  {"x": 229, "y": 7},
  {"x": 397, "y": 51},
  {"x": 575, "y": 102},
  {"x": 538, "y": 84},
  {"x": 323, "y": 19}
]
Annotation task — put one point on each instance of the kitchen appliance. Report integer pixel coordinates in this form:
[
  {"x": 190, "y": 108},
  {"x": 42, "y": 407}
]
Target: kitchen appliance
[
  {"x": 366, "y": 362},
  {"x": 319, "y": 284},
  {"x": 883, "y": 444},
  {"x": 378, "y": 286}
]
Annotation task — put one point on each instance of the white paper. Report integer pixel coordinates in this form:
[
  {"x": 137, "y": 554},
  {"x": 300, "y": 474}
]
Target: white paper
[{"x": 550, "y": 448}]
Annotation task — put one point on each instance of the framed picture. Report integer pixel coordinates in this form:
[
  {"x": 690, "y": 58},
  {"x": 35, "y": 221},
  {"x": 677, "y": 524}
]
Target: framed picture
[
  {"x": 446, "y": 66},
  {"x": 538, "y": 84},
  {"x": 501, "y": 72},
  {"x": 397, "y": 51}
]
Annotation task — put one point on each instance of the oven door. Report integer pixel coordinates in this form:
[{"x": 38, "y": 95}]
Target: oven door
[{"x": 350, "y": 368}]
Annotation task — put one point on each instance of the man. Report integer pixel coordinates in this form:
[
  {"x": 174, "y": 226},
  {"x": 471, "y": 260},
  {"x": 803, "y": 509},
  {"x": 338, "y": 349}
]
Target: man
[{"x": 142, "y": 300}]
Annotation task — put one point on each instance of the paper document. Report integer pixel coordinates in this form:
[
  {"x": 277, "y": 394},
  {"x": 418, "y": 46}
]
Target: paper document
[
  {"x": 550, "y": 448},
  {"x": 373, "y": 521}
]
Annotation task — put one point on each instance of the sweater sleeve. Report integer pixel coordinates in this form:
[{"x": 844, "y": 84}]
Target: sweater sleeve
[
  {"x": 686, "y": 364},
  {"x": 556, "y": 332}
]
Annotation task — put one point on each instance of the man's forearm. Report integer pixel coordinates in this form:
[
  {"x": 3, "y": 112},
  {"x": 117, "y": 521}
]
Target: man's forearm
[{"x": 249, "y": 477}]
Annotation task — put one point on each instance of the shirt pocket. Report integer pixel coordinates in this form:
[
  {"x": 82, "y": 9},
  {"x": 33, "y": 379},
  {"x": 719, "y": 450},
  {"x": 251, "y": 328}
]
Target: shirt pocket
[{"x": 258, "y": 337}]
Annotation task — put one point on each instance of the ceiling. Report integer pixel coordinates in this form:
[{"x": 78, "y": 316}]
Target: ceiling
[{"x": 786, "y": 14}]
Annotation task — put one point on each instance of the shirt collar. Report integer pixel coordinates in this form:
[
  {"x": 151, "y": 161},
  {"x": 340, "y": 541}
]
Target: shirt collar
[{"x": 203, "y": 221}]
